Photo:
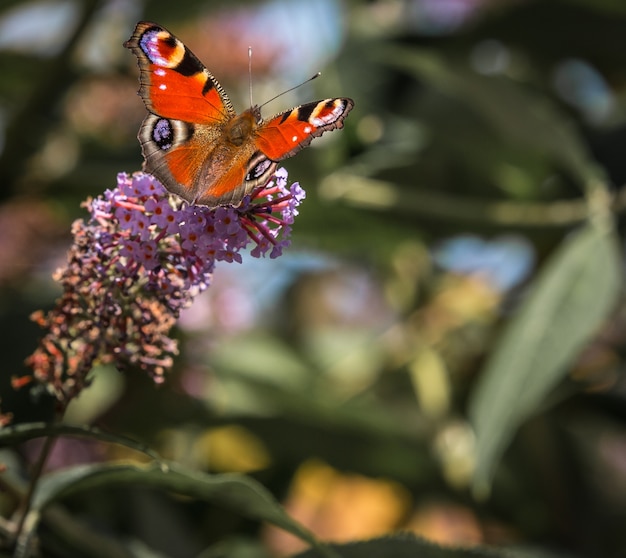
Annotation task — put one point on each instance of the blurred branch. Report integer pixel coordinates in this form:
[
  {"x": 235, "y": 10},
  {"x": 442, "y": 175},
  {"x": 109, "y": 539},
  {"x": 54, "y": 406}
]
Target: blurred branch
[
  {"x": 24, "y": 535},
  {"x": 27, "y": 130},
  {"x": 381, "y": 195}
]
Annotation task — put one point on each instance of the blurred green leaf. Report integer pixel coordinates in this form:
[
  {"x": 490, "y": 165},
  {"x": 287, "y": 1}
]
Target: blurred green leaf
[
  {"x": 237, "y": 492},
  {"x": 514, "y": 112},
  {"x": 236, "y": 548},
  {"x": 570, "y": 299},
  {"x": 10, "y": 435},
  {"x": 406, "y": 546}
]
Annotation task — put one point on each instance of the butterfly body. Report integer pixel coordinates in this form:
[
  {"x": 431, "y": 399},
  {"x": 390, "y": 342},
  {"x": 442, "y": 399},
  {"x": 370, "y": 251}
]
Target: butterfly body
[{"x": 195, "y": 143}]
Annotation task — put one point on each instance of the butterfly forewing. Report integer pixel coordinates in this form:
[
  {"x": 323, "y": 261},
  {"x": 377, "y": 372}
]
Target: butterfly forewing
[
  {"x": 285, "y": 134},
  {"x": 174, "y": 83}
]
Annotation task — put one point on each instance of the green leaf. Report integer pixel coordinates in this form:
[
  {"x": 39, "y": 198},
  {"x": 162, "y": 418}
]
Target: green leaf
[
  {"x": 569, "y": 301},
  {"x": 237, "y": 492},
  {"x": 518, "y": 114},
  {"x": 236, "y": 547},
  {"x": 406, "y": 546},
  {"x": 10, "y": 435}
]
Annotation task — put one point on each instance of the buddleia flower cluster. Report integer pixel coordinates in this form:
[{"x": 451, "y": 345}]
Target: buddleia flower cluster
[{"x": 135, "y": 264}]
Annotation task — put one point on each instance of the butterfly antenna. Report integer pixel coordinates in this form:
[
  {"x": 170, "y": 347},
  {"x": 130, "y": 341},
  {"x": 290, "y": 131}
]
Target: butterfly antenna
[
  {"x": 318, "y": 74},
  {"x": 250, "y": 72}
]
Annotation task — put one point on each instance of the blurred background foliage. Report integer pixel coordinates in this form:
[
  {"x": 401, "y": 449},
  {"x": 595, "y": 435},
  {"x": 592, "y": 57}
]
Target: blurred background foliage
[{"x": 441, "y": 349}]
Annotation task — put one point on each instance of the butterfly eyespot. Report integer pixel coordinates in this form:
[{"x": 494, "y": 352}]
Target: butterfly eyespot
[
  {"x": 259, "y": 169},
  {"x": 163, "y": 134},
  {"x": 162, "y": 49}
]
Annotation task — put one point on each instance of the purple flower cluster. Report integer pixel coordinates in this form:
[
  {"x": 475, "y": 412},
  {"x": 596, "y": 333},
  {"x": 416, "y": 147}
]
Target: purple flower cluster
[{"x": 143, "y": 257}]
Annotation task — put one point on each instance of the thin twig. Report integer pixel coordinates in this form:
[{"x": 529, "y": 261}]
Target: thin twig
[{"x": 40, "y": 465}]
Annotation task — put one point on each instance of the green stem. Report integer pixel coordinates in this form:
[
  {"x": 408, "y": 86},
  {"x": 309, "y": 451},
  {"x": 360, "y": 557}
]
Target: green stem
[{"x": 22, "y": 540}]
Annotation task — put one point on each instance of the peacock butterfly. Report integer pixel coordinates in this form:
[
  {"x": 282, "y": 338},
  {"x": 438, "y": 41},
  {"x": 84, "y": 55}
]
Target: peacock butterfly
[{"x": 195, "y": 143}]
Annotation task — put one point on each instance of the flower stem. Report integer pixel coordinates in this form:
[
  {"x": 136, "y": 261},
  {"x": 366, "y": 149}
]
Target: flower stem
[{"x": 38, "y": 469}]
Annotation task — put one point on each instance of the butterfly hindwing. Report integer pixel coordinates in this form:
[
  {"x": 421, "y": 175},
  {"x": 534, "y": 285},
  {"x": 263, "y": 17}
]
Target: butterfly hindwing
[
  {"x": 172, "y": 153},
  {"x": 191, "y": 162},
  {"x": 285, "y": 134},
  {"x": 174, "y": 83}
]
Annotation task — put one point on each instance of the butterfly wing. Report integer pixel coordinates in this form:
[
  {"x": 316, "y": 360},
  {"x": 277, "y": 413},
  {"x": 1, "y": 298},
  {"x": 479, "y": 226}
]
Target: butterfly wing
[
  {"x": 198, "y": 166},
  {"x": 173, "y": 82},
  {"x": 285, "y": 134},
  {"x": 188, "y": 112}
]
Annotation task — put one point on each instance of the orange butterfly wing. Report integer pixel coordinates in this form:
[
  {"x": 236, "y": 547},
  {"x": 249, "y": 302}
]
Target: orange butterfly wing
[
  {"x": 182, "y": 138},
  {"x": 173, "y": 82},
  {"x": 285, "y": 134}
]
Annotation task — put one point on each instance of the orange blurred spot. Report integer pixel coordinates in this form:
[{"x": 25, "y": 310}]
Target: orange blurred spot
[
  {"x": 339, "y": 507},
  {"x": 446, "y": 523}
]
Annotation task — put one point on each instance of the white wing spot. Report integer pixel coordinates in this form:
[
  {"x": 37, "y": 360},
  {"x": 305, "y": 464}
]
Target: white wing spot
[
  {"x": 159, "y": 72},
  {"x": 307, "y": 130},
  {"x": 162, "y": 87},
  {"x": 294, "y": 138}
]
